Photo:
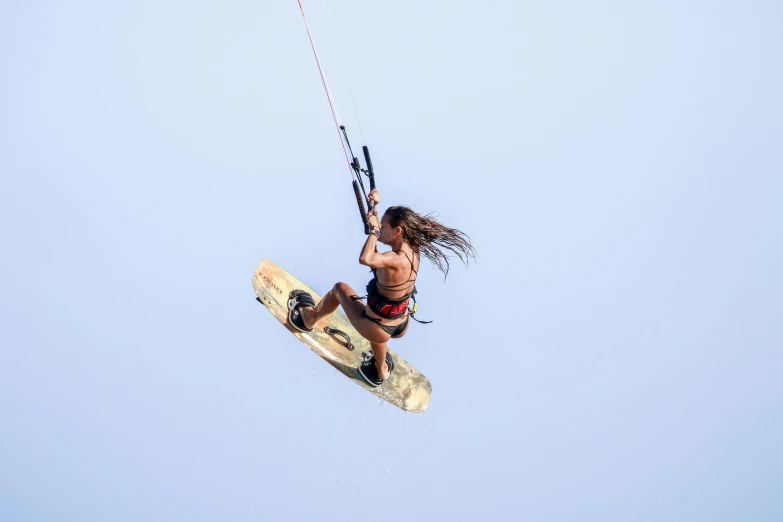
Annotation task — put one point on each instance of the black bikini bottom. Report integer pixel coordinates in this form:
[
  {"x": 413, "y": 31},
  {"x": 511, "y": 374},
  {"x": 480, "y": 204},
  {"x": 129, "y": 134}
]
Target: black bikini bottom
[{"x": 394, "y": 331}]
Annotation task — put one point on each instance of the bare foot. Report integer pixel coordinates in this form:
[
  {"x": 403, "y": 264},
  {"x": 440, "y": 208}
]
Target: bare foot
[{"x": 308, "y": 315}]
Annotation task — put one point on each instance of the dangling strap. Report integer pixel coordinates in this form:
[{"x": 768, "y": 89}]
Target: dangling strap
[{"x": 415, "y": 307}]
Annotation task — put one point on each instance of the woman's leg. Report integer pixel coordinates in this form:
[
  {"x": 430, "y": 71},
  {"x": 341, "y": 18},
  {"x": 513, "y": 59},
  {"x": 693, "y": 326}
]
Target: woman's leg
[
  {"x": 340, "y": 295},
  {"x": 327, "y": 306},
  {"x": 379, "y": 351}
]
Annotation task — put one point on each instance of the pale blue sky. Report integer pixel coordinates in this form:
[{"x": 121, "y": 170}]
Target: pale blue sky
[{"x": 614, "y": 354}]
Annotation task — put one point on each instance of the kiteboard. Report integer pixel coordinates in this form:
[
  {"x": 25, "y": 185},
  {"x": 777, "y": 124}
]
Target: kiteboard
[{"x": 338, "y": 343}]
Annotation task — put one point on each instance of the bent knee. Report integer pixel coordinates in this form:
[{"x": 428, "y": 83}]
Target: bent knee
[{"x": 343, "y": 290}]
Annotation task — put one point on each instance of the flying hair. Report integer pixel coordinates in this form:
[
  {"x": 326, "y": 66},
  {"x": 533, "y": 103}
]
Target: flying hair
[{"x": 429, "y": 238}]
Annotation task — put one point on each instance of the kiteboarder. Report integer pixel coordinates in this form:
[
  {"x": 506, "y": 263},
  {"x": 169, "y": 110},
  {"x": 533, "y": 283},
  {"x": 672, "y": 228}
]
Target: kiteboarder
[{"x": 385, "y": 314}]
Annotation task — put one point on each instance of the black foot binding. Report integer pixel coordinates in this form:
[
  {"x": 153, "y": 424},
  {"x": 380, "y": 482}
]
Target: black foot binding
[
  {"x": 296, "y": 299},
  {"x": 369, "y": 372}
]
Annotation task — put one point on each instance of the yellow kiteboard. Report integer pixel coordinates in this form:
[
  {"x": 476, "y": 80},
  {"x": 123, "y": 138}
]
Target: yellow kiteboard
[{"x": 337, "y": 342}]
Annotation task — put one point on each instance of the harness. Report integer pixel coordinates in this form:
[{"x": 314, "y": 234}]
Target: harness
[
  {"x": 387, "y": 307},
  {"x": 383, "y": 306}
]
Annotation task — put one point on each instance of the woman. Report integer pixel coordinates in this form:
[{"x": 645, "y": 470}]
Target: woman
[{"x": 386, "y": 314}]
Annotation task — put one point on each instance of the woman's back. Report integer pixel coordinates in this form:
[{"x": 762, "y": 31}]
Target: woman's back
[{"x": 398, "y": 282}]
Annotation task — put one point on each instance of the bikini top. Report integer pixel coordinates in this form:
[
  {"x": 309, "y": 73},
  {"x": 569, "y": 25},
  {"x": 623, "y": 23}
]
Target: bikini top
[
  {"x": 384, "y": 306},
  {"x": 393, "y": 288}
]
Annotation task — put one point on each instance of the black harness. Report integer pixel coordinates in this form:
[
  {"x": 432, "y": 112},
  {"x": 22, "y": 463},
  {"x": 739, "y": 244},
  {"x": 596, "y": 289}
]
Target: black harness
[{"x": 388, "y": 307}]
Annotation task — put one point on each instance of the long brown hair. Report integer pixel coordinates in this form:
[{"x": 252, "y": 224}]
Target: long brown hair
[{"x": 429, "y": 238}]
